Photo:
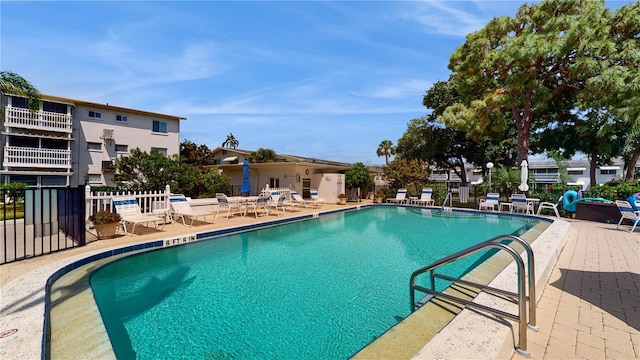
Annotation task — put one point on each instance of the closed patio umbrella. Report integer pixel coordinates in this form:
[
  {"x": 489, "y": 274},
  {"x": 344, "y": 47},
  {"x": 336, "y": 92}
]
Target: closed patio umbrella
[
  {"x": 524, "y": 175},
  {"x": 246, "y": 187}
]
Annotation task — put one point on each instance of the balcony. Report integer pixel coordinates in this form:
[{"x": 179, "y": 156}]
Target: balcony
[
  {"x": 545, "y": 178},
  {"x": 15, "y": 156},
  {"x": 438, "y": 177},
  {"x": 37, "y": 120}
]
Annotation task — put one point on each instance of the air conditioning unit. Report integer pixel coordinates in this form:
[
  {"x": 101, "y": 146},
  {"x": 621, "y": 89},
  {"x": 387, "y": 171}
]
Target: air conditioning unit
[
  {"x": 107, "y": 134},
  {"x": 108, "y": 165}
]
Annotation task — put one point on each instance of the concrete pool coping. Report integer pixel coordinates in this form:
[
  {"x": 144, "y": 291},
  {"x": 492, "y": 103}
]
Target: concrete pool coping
[{"x": 23, "y": 305}]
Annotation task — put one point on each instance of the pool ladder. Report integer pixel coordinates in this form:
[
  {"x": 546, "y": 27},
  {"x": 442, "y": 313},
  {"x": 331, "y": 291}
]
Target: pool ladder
[
  {"x": 448, "y": 198},
  {"x": 520, "y": 298}
]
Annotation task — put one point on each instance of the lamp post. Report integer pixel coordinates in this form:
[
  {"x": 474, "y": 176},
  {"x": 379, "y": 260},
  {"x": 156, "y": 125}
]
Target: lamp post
[{"x": 489, "y": 166}]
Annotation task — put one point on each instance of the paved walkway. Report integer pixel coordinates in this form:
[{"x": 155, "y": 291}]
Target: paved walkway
[{"x": 590, "y": 309}]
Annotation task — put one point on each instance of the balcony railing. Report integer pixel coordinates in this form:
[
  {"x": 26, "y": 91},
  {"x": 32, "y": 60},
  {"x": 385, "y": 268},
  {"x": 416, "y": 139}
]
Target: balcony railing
[
  {"x": 40, "y": 120},
  {"x": 438, "y": 177},
  {"x": 15, "y": 156},
  {"x": 545, "y": 178}
]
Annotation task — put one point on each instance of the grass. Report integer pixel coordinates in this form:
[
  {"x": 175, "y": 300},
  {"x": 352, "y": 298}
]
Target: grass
[{"x": 11, "y": 211}]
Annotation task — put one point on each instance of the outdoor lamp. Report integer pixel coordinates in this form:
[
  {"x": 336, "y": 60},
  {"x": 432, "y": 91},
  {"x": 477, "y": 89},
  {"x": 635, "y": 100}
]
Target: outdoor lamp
[{"x": 489, "y": 166}]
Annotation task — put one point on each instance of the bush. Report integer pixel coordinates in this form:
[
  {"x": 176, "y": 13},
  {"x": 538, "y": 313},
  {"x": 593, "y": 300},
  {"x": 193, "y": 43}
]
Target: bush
[
  {"x": 614, "y": 190},
  {"x": 105, "y": 217}
]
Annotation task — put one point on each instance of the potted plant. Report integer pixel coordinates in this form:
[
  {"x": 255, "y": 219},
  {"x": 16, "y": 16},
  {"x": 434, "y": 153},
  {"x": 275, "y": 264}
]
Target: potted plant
[
  {"x": 105, "y": 223},
  {"x": 342, "y": 198},
  {"x": 380, "y": 195}
]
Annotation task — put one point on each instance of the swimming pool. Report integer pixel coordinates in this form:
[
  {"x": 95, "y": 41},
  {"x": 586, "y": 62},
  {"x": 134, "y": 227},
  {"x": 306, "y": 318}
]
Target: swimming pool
[{"x": 315, "y": 289}]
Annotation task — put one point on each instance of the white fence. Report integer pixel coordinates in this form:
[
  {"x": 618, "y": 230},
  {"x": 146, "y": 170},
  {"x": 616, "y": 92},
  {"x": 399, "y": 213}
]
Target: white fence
[{"x": 148, "y": 200}]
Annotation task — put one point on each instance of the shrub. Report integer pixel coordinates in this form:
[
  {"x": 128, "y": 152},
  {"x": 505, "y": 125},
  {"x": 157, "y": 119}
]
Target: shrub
[{"x": 105, "y": 217}]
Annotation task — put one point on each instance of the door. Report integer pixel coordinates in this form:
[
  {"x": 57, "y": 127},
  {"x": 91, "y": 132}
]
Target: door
[{"x": 306, "y": 188}]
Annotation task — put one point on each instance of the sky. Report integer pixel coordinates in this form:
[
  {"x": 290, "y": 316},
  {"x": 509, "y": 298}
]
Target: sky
[{"x": 321, "y": 79}]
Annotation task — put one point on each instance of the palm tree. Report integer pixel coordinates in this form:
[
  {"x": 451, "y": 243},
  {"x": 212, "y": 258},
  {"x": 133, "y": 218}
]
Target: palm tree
[
  {"x": 14, "y": 84},
  {"x": 386, "y": 149},
  {"x": 231, "y": 142}
]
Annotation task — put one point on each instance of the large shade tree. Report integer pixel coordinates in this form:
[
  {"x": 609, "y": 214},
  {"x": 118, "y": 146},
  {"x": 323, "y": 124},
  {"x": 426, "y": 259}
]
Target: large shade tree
[
  {"x": 548, "y": 51},
  {"x": 14, "y": 84}
]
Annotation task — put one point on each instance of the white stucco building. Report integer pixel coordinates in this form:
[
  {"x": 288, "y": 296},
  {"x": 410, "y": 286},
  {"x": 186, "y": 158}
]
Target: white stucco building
[{"x": 73, "y": 142}]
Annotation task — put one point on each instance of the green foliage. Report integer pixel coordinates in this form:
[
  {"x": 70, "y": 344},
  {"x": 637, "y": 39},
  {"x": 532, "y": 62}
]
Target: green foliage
[
  {"x": 614, "y": 190},
  {"x": 198, "y": 155},
  {"x": 505, "y": 180},
  {"x": 403, "y": 173},
  {"x": 211, "y": 182},
  {"x": 342, "y": 196},
  {"x": 386, "y": 149},
  {"x": 12, "y": 83},
  {"x": 263, "y": 155},
  {"x": 231, "y": 142},
  {"x": 358, "y": 176},
  {"x": 105, "y": 217},
  {"x": 14, "y": 191},
  {"x": 104, "y": 188}
]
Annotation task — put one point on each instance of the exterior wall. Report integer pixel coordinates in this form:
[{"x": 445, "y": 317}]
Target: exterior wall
[{"x": 136, "y": 132}]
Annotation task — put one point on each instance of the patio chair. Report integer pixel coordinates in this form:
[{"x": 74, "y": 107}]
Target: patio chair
[
  {"x": 425, "y": 198},
  {"x": 261, "y": 203},
  {"x": 401, "y": 197},
  {"x": 626, "y": 212},
  {"x": 491, "y": 202},
  {"x": 277, "y": 201},
  {"x": 519, "y": 202},
  {"x": 129, "y": 211},
  {"x": 181, "y": 208},
  {"x": 316, "y": 198},
  {"x": 550, "y": 206},
  {"x": 224, "y": 203},
  {"x": 296, "y": 198}
]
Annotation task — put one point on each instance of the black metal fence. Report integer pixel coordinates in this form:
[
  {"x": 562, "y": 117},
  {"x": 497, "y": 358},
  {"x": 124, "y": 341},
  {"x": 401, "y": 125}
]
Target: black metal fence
[{"x": 35, "y": 222}]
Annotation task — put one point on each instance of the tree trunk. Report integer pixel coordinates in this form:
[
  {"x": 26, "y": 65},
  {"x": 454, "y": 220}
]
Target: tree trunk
[
  {"x": 631, "y": 171},
  {"x": 523, "y": 126},
  {"x": 592, "y": 168}
]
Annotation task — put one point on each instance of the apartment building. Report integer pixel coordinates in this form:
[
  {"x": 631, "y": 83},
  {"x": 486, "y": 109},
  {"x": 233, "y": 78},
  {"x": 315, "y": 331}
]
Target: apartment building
[{"x": 71, "y": 142}]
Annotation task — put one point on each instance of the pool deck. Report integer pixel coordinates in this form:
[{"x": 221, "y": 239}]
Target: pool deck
[{"x": 589, "y": 308}]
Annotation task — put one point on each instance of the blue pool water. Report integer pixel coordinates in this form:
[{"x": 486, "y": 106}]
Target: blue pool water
[{"x": 317, "y": 289}]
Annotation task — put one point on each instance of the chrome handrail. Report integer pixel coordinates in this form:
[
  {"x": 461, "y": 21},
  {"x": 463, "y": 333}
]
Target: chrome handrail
[{"x": 521, "y": 297}]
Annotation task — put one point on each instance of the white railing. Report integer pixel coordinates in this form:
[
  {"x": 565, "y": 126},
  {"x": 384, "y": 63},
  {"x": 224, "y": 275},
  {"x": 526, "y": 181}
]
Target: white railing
[
  {"x": 554, "y": 178},
  {"x": 36, "y": 157},
  {"x": 148, "y": 200},
  {"x": 438, "y": 177},
  {"x": 41, "y": 120}
]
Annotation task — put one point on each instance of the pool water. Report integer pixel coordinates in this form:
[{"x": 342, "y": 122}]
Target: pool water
[{"x": 317, "y": 289}]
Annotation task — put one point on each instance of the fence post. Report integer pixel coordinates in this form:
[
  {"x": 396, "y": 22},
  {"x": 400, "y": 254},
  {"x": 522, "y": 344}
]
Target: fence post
[
  {"x": 167, "y": 192},
  {"x": 87, "y": 200}
]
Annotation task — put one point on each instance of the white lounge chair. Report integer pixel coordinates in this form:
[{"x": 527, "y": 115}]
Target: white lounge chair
[
  {"x": 550, "y": 206},
  {"x": 316, "y": 198},
  {"x": 519, "y": 202},
  {"x": 277, "y": 202},
  {"x": 401, "y": 197},
  {"x": 224, "y": 203},
  {"x": 627, "y": 213},
  {"x": 425, "y": 197},
  {"x": 296, "y": 198},
  {"x": 181, "y": 208},
  {"x": 129, "y": 211},
  {"x": 261, "y": 203},
  {"x": 491, "y": 202}
]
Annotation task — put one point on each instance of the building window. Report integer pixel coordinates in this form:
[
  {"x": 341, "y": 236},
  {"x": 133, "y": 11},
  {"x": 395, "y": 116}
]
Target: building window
[
  {"x": 94, "y": 146},
  {"x": 94, "y": 178},
  {"x": 162, "y": 151},
  {"x": 95, "y": 114},
  {"x": 575, "y": 172},
  {"x": 122, "y": 148},
  {"x": 274, "y": 182},
  {"x": 159, "y": 126},
  {"x": 608, "y": 171},
  {"x": 54, "y": 107},
  {"x": 122, "y": 118},
  {"x": 19, "y": 102}
]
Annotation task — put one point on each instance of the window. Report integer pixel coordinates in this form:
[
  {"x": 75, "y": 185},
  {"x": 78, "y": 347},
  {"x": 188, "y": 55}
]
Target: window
[
  {"x": 575, "y": 172},
  {"x": 95, "y": 114},
  {"x": 19, "y": 102},
  {"x": 94, "y": 146},
  {"x": 608, "y": 171},
  {"x": 122, "y": 148},
  {"x": 162, "y": 151},
  {"x": 122, "y": 118},
  {"x": 159, "y": 126},
  {"x": 94, "y": 178},
  {"x": 274, "y": 182},
  {"x": 53, "y": 181},
  {"x": 54, "y": 107}
]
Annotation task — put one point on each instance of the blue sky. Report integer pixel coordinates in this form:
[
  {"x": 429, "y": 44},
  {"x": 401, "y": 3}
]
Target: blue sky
[{"x": 328, "y": 80}]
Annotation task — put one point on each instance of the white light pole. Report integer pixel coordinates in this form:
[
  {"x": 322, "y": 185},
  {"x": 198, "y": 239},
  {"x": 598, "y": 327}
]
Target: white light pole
[{"x": 489, "y": 166}]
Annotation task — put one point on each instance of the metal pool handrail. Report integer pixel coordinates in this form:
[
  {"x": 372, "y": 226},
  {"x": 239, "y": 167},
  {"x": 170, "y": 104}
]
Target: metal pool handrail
[{"x": 520, "y": 296}]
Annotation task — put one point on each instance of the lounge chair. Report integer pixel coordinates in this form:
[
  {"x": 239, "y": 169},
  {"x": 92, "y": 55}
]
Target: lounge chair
[
  {"x": 519, "y": 202},
  {"x": 316, "y": 198},
  {"x": 224, "y": 203},
  {"x": 129, "y": 211},
  {"x": 401, "y": 197},
  {"x": 425, "y": 198},
  {"x": 627, "y": 213},
  {"x": 550, "y": 206},
  {"x": 261, "y": 203},
  {"x": 296, "y": 198},
  {"x": 277, "y": 201},
  {"x": 491, "y": 202},
  {"x": 181, "y": 208}
]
